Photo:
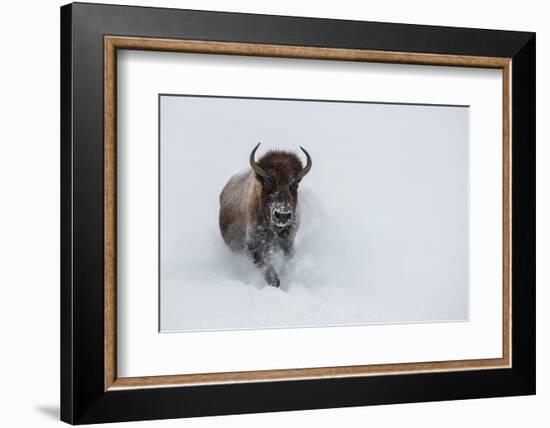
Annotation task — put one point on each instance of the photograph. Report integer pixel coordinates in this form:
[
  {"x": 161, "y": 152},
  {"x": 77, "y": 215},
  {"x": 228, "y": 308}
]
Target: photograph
[
  {"x": 264, "y": 211},
  {"x": 288, "y": 213}
]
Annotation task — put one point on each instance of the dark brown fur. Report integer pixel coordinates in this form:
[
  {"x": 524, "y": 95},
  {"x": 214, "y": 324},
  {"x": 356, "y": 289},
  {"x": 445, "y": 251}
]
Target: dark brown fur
[{"x": 251, "y": 208}]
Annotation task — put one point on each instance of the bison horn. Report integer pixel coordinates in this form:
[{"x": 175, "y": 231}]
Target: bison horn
[
  {"x": 306, "y": 169},
  {"x": 257, "y": 168}
]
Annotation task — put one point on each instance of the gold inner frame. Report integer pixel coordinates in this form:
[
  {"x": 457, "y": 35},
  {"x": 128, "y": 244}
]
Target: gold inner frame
[{"x": 113, "y": 43}]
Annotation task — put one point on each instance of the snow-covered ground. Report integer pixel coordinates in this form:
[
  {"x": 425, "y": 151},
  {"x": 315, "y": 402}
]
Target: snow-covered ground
[{"x": 383, "y": 237}]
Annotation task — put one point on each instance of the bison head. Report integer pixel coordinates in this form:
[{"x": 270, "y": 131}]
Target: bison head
[{"x": 279, "y": 174}]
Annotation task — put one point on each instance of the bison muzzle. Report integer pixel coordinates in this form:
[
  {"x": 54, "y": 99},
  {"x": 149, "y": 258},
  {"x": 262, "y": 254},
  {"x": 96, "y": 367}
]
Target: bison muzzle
[{"x": 258, "y": 208}]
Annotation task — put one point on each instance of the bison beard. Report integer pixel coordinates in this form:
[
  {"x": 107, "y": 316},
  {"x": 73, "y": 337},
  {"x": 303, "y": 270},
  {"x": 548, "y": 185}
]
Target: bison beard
[{"x": 258, "y": 208}]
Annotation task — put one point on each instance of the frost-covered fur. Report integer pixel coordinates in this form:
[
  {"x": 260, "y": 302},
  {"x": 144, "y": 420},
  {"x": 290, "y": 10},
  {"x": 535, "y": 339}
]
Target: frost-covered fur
[{"x": 259, "y": 215}]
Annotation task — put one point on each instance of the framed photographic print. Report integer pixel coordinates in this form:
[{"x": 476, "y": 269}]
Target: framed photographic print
[{"x": 265, "y": 213}]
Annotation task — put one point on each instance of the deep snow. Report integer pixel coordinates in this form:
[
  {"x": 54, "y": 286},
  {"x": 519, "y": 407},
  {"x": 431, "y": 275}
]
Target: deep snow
[{"x": 383, "y": 237}]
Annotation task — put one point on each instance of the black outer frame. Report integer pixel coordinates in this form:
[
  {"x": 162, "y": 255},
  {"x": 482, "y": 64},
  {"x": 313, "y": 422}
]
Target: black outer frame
[{"x": 83, "y": 399}]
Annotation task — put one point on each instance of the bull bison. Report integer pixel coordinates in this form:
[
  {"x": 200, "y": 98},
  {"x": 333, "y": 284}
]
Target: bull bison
[{"x": 258, "y": 208}]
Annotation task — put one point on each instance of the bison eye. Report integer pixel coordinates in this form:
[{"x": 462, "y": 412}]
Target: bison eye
[
  {"x": 266, "y": 182},
  {"x": 294, "y": 187}
]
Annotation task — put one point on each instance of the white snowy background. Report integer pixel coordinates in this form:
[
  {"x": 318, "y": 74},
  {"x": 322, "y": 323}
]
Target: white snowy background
[{"x": 384, "y": 232}]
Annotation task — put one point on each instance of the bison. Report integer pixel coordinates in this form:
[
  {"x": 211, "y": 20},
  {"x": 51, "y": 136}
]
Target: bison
[{"x": 259, "y": 208}]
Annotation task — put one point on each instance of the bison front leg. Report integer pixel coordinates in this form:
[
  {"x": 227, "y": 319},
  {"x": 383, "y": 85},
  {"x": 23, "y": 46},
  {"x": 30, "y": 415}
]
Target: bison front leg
[
  {"x": 261, "y": 259},
  {"x": 271, "y": 276},
  {"x": 285, "y": 241},
  {"x": 288, "y": 248}
]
